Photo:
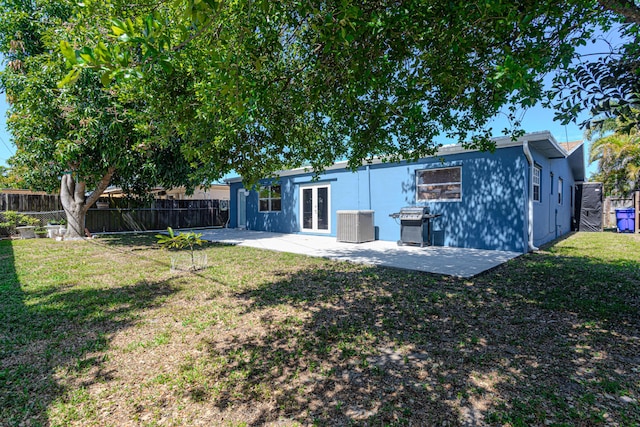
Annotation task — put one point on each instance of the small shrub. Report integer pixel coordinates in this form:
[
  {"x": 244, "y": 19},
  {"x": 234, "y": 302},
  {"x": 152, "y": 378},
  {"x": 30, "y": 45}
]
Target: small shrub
[
  {"x": 181, "y": 241},
  {"x": 41, "y": 232},
  {"x": 12, "y": 219}
]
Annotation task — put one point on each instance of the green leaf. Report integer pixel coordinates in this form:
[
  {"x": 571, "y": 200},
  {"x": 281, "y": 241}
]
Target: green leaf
[
  {"x": 166, "y": 66},
  {"x": 68, "y": 52},
  {"x": 71, "y": 77},
  {"x": 106, "y": 78},
  {"x": 118, "y": 31}
]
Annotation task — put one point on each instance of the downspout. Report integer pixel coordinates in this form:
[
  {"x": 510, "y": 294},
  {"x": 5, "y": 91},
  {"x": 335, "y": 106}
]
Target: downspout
[
  {"x": 527, "y": 154},
  {"x": 369, "y": 185}
]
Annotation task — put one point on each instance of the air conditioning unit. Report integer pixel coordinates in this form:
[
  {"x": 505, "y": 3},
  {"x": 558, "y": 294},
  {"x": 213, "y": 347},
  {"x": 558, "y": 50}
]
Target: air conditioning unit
[
  {"x": 355, "y": 226},
  {"x": 224, "y": 205}
]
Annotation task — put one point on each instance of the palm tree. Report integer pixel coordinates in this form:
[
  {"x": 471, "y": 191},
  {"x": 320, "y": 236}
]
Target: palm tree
[{"x": 618, "y": 157}]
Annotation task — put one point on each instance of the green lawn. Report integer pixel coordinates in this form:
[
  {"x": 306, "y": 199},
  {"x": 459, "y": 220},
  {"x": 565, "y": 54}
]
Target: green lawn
[{"x": 103, "y": 333}]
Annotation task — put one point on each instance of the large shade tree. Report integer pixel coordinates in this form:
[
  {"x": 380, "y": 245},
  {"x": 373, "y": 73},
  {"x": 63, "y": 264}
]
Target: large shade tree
[
  {"x": 264, "y": 85},
  {"x": 432, "y": 58},
  {"x": 79, "y": 138}
]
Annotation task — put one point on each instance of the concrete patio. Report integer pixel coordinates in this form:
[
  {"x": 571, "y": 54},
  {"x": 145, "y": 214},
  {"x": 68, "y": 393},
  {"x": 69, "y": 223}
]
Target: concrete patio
[{"x": 458, "y": 262}]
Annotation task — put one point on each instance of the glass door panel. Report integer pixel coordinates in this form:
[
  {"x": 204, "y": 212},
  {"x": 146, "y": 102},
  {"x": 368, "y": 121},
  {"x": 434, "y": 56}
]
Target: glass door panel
[
  {"x": 307, "y": 209},
  {"x": 323, "y": 208}
]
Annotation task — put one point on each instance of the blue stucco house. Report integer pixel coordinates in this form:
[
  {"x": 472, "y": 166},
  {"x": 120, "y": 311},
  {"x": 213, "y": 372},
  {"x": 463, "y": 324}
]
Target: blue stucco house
[{"x": 516, "y": 198}]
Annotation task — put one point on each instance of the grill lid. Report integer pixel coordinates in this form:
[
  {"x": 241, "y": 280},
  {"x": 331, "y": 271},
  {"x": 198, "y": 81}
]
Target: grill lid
[
  {"x": 415, "y": 210},
  {"x": 412, "y": 213}
]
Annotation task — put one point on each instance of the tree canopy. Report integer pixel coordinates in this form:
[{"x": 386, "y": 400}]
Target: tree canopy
[
  {"x": 259, "y": 86},
  {"x": 134, "y": 93},
  {"x": 608, "y": 83},
  {"x": 9, "y": 178}
]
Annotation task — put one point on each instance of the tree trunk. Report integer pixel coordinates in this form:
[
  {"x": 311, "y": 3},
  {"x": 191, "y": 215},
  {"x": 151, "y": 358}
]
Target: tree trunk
[{"x": 72, "y": 197}]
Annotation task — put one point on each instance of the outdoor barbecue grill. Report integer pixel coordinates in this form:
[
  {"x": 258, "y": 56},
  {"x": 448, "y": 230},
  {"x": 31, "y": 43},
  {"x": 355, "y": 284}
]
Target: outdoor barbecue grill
[{"x": 415, "y": 225}]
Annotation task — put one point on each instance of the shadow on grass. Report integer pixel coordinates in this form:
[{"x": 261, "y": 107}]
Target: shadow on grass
[
  {"x": 543, "y": 339},
  {"x": 130, "y": 241},
  {"x": 143, "y": 241},
  {"x": 47, "y": 332},
  {"x": 596, "y": 291},
  {"x": 138, "y": 244}
]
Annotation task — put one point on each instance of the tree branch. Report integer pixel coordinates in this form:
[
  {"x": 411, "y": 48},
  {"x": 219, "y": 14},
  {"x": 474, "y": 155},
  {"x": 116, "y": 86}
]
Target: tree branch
[
  {"x": 196, "y": 35},
  {"x": 78, "y": 195},
  {"x": 67, "y": 183},
  {"x": 102, "y": 185},
  {"x": 628, "y": 9}
]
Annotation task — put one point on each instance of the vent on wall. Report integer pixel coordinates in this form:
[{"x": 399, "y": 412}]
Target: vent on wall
[{"x": 355, "y": 226}]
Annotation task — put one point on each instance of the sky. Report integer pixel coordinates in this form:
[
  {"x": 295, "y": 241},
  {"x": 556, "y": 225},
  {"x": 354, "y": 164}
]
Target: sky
[{"x": 6, "y": 147}]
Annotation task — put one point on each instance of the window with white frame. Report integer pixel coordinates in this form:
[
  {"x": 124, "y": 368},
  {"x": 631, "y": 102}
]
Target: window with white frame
[
  {"x": 270, "y": 199},
  {"x": 537, "y": 172},
  {"x": 560, "y": 191},
  {"x": 444, "y": 184}
]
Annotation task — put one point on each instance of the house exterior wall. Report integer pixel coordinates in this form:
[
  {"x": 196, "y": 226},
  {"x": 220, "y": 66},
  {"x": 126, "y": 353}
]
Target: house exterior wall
[
  {"x": 492, "y": 212},
  {"x": 552, "y": 218}
]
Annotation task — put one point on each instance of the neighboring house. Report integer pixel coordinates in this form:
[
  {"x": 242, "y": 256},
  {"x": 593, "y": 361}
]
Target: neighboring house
[
  {"x": 212, "y": 192},
  {"x": 23, "y": 192},
  {"x": 516, "y": 198}
]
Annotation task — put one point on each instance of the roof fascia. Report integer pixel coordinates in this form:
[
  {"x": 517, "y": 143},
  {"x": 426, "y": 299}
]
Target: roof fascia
[{"x": 501, "y": 142}]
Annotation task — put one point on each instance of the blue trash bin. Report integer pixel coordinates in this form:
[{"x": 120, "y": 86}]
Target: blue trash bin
[{"x": 626, "y": 220}]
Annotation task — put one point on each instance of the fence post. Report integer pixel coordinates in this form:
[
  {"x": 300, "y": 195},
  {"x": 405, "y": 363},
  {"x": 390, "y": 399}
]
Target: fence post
[{"x": 636, "y": 203}]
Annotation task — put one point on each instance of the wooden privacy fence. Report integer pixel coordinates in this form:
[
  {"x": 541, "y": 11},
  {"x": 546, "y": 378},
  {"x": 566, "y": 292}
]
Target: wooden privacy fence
[
  {"x": 30, "y": 202},
  {"x": 123, "y": 214},
  {"x": 162, "y": 214}
]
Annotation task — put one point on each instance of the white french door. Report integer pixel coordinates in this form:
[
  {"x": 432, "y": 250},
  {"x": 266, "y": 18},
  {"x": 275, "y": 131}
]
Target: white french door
[{"x": 315, "y": 208}]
